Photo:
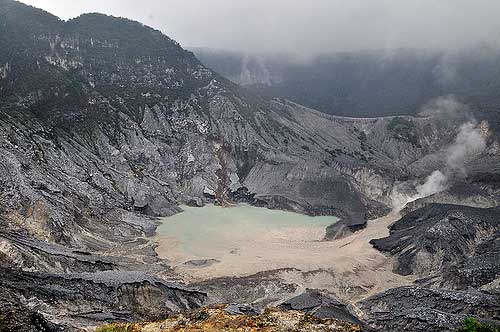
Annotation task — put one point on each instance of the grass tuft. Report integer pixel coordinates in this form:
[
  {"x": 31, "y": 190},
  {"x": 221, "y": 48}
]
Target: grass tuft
[{"x": 472, "y": 325}]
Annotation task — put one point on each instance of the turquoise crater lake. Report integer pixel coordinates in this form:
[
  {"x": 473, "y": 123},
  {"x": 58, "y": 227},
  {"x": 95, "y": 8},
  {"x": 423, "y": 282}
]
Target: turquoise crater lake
[{"x": 222, "y": 235}]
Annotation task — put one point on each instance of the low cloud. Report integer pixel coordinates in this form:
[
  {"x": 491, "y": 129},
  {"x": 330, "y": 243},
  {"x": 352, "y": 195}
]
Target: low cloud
[{"x": 303, "y": 26}]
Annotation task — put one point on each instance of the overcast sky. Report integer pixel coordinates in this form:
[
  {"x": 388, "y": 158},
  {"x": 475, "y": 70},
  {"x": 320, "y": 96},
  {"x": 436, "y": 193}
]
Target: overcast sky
[{"x": 305, "y": 26}]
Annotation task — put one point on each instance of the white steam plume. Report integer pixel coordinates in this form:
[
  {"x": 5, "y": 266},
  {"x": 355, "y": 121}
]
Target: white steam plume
[
  {"x": 434, "y": 183},
  {"x": 469, "y": 142}
]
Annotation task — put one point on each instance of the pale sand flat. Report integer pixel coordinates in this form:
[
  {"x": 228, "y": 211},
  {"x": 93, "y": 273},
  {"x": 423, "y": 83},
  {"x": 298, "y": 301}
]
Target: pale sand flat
[{"x": 351, "y": 259}]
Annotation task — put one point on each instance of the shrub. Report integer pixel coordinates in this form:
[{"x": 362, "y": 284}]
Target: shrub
[
  {"x": 119, "y": 328},
  {"x": 471, "y": 325}
]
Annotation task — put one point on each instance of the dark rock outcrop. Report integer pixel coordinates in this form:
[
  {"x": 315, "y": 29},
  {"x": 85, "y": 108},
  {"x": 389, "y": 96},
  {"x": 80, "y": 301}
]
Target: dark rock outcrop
[
  {"x": 321, "y": 305},
  {"x": 418, "y": 309},
  {"x": 451, "y": 245},
  {"x": 242, "y": 309},
  {"x": 79, "y": 300},
  {"x": 261, "y": 289},
  {"x": 14, "y": 316}
]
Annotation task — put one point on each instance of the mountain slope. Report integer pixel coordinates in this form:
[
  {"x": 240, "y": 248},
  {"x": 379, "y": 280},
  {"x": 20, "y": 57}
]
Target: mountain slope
[
  {"x": 365, "y": 83},
  {"x": 123, "y": 119},
  {"x": 106, "y": 124}
]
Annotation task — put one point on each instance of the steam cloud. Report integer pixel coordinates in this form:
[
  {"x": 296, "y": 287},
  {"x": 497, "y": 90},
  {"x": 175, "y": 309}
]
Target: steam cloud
[
  {"x": 434, "y": 183},
  {"x": 468, "y": 143},
  {"x": 446, "y": 108}
]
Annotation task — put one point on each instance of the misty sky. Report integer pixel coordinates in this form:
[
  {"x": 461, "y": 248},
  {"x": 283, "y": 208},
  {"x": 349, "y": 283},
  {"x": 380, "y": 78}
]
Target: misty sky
[{"x": 305, "y": 26}]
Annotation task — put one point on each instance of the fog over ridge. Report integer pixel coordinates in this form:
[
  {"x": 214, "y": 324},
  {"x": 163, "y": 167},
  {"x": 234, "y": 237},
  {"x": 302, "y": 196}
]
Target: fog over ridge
[{"x": 305, "y": 27}]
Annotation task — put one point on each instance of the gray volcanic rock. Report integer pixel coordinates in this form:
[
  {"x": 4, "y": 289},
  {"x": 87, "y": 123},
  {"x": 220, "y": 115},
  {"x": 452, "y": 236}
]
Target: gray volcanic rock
[
  {"x": 457, "y": 246},
  {"x": 418, "y": 309},
  {"x": 476, "y": 185},
  {"x": 460, "y": 193},
  {"x": 320, "y": 305},
  {"x": 242, "y": 309},
  {"x": 344, "y": 228},
  {"x": 201, "y": 262},
  {"x": 87, "y": 299},
  {"x": 14, "y": 316},
  {"x": 274, "y": 287},
  {"x": 27, "y": 252},
  {"x": 32, "y": 254},
  {"x": 260, "y": 289}
]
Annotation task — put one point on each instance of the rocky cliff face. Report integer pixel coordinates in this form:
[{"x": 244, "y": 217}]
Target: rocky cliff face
[
  {"x": 97, "y": 123},
  {"x": 454, "y": 246},
  {"x": 76, "y": 300},
  {"x": 422, "y": 309},
  {"x": 453, "y": 252}
]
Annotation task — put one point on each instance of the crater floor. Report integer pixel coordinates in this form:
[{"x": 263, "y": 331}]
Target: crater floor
[{"x": 210, "y": 242}]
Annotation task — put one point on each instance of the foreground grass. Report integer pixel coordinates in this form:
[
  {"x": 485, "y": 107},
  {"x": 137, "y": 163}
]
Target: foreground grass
[
  {"x": 119, "y": 328},
  {"x": 216, "y": 319}
]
